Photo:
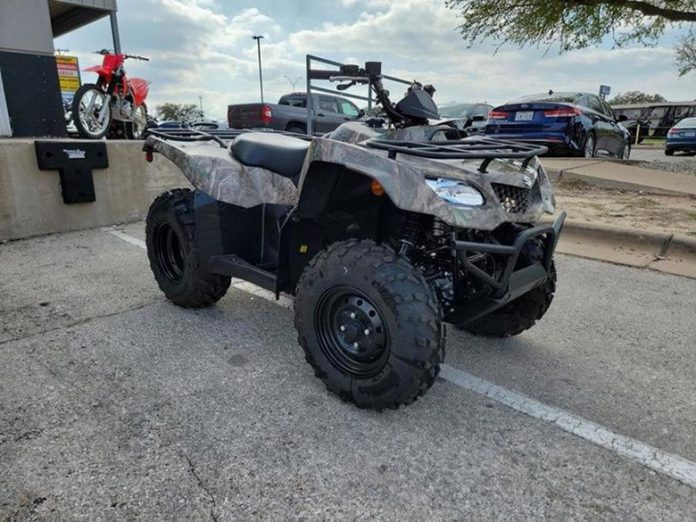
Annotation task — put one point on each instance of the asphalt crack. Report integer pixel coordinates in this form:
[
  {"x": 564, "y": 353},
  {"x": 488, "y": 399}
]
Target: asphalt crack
[
  {"x": 77, "y": 323},
  {"x": 203, "y": 487}
]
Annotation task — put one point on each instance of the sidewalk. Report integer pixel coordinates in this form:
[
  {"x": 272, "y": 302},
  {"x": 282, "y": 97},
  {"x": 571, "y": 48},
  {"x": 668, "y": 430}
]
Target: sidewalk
[{"x": 615, "y": 174}]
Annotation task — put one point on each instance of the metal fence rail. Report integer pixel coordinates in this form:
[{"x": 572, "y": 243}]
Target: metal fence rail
[{"x": 324, "y": 74}]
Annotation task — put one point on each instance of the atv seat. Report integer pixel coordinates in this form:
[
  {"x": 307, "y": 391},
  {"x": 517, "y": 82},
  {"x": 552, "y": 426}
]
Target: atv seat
[{"x": 276, "y": 152}]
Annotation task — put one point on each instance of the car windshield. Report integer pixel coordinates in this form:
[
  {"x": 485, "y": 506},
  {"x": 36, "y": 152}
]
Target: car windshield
[
  {"x": 563, "y": 97},
  {"x": 457, "y": 111},
  {"x": 686, "y": 122}
]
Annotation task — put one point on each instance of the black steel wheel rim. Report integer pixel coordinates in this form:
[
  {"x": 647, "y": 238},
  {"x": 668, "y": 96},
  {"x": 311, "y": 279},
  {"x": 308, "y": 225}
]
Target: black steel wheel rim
[
  {"x": 351, "y": 331},
  {"x": 169, "y": 252}
]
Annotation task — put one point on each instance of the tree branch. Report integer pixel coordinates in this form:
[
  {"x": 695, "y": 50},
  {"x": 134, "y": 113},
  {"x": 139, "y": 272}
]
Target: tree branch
[{"x": 647, "y": 8}]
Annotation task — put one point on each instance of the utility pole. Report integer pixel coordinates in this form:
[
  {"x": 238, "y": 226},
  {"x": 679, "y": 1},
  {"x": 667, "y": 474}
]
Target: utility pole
[
  {"x": 258, "y": 46},
  {"x": 200, "y": 102},
  {"x": 114, "y": 32}
]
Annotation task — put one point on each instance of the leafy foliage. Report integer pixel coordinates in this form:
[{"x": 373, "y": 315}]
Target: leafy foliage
[
  {"x": 686, "y": 55},
  {"x": 184, "y": 113},
  {"x": 636, "y": 97},
  {"x": 576, "y": 24}
]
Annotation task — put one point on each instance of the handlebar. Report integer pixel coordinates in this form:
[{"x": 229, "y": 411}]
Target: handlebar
[
  {"x": 356, "y": 79},
  {"x": 105, "y": 52}
]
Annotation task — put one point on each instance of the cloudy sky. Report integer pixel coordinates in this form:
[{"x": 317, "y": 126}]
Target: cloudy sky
[{"x": 204, "y": 48}]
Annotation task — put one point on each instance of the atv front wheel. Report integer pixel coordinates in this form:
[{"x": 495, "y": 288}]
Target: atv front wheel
[
  {"x": 519, "y": 315},
  {"x": 171, "y": 248},
  {"x": 369, "y": 325}
]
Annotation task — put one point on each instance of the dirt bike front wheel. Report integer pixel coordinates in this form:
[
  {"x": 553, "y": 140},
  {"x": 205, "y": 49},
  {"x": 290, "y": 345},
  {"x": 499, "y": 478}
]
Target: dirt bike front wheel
[{"x": 91, "y": 112}]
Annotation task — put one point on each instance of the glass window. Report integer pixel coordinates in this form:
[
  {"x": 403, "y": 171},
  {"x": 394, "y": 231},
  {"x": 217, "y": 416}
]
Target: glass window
[
  {"x": 562, "y": 97},
  {"x": 481, "y": 111},
  {"x": 327, "y": 104},
  {"x": 686, "y": 122},
  {"x": 349, "y": 109},
  {"x": 460, "y": 110},
  {"x": 606, "y": 109},
  {"x": 657, "y": 112},
  {"x": 683, "y": 111},
  {"x": 631, "y": 114},
  {"x": 595, "y": 104}
]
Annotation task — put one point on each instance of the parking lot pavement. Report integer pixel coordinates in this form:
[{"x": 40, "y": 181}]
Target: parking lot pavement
[
  {"x": 658, "y": 154},
  {"x": 116, "y": 404}
]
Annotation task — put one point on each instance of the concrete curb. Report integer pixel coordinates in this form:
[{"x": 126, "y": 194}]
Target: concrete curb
[
  {"x": 670, "y": 253},
  {"x": 599, "y": 172}
]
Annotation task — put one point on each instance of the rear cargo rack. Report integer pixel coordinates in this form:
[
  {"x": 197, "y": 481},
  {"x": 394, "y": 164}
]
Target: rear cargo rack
[
  {"x": 220, "y": 136},
  {"x": 486, "y": 149}
]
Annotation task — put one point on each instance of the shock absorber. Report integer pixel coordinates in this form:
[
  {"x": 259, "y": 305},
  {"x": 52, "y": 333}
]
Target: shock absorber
[
  {"x": 409, "y": 234},
  {"x": 440, "y": 229}
]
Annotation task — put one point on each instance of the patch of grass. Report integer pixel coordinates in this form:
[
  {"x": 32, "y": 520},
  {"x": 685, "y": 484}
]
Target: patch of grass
[
  {"x": 642, "y": 202},
  {"x": 653, "y": 141},
  {"x": 597, "y": 206},
  {"x": 691, "y": 214}
]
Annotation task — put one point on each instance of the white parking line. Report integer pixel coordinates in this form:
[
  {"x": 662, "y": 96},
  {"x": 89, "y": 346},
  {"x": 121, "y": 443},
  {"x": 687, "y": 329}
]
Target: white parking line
[
  {"x": 130, "y": 239},
  {"x": 666, "y": 463},
  {"x": 662, "y": 462}
]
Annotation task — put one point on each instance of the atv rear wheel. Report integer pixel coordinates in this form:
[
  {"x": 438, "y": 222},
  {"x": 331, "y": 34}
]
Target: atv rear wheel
[
  {"x": 369, "y": 325},
  {"x": 174, "y": 259},
  {"x": 519, "y": 315}
]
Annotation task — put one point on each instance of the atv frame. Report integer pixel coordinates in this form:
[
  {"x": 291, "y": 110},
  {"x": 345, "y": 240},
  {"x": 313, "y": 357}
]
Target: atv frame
[{"x": 306, "y": 231}]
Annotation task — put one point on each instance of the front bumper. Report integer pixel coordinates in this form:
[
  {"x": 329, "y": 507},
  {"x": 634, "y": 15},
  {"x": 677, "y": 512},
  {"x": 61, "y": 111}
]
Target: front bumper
[
  {"x": 511, "y": 283},
  {"x": 556, "y": 142}
]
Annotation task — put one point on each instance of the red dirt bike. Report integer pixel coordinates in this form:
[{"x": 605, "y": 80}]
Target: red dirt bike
[{"x": 114, "y": 102}]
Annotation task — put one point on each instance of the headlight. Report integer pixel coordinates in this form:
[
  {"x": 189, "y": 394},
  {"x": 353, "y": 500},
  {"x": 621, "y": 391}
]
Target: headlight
[{"x": 456, "y": 192}]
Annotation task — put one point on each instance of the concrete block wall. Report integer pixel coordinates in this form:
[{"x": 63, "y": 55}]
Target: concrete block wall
[{"x": 31, "y": 202}]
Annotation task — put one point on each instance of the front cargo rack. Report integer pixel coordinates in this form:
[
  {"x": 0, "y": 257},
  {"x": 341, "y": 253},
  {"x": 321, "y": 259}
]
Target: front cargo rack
[
  {"x": 220, "y": 136},
  {"x": 486, "y": 149}
]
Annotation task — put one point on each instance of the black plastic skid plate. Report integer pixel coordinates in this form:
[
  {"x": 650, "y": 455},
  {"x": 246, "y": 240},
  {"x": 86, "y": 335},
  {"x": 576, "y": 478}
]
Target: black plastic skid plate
[{"x": 74, "y": 161}]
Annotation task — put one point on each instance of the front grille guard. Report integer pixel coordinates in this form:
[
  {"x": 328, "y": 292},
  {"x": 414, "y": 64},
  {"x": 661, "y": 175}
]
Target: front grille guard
[{"x": 501, "y": 284}]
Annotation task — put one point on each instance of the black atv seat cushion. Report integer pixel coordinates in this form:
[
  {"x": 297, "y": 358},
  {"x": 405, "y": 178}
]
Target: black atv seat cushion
[{"x": 276, "y": 152}]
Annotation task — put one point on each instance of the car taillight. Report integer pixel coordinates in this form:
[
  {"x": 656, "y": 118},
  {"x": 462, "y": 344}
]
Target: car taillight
[
  {"x": 672, "y": 132},
  {"x": 565, "y": 112},
  {"x": 497, "y": 115},
  {"x": 266, "y": 115}
]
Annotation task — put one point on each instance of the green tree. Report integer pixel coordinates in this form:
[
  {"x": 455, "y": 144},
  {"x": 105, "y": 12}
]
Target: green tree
[
  {"x": 624, "y": 98},
  {"x": 576, "y": 24},
  {"x": 686, "y": 55},
  {"x": 179, "y": 112}
]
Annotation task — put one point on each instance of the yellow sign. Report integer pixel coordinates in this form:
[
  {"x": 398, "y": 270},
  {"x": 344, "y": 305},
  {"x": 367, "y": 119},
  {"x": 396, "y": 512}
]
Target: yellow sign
[{"x": 68, "y": 75}]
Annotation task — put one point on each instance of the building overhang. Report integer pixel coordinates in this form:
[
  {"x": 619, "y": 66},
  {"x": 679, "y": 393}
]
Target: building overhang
[{"x": 68, "y": 15}]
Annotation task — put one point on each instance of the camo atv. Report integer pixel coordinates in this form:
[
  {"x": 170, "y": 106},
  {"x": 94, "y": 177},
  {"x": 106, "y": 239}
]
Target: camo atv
[{"x": 382, "y": 231}]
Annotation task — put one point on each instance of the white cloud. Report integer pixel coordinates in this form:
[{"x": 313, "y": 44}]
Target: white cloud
[{"x": 203, "y": 47}]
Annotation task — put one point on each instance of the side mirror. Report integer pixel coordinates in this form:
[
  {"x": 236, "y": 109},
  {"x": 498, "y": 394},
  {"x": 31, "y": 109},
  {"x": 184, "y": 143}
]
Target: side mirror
[
  {"x": 361, "y": 113},
  {"x": 622, "y": 117},
  {"x": 478, "y": 118}
]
